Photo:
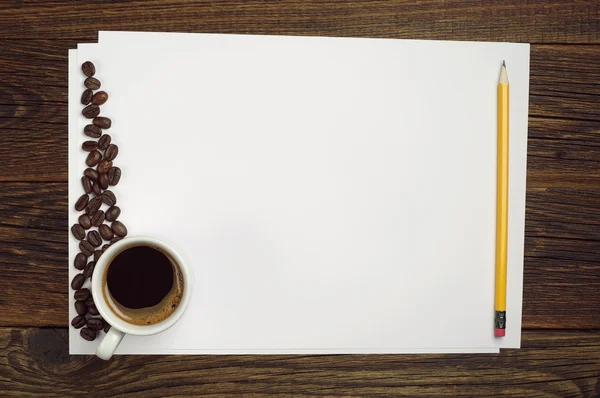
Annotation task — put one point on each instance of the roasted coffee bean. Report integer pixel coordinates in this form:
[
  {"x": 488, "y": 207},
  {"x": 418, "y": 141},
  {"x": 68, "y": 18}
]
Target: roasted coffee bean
[
  {"x": 91, "y": 174},
  {"x": 104, "y": 142},
  {"x": 78, "y": 231},
  {"x": 92, "y": 82},
  {"x": 93, "y": 310},
  {"x": 89, "y": 146},
  {"x": 95, "y": 323},
  {"x": 116, "y": 238},
  {"x": 109, "y": 198},
  {"x": 86, "y": 248},
  {"x": 82, "y": 294},
  {"x": 98, "y": 218},
  {"x": 105, "y": 246},
  {"x": 89, "y": 269},
  {"x": 85, "y": 221},
  {"x": 78, "y": 322},
  {"x": 119, "y": 229},
  {"x": 113, "y": 213},
  {"x": 114, "y": 175},
  {"x": 77, "y": 282},
  {"x": 106, "y": 232},
  {"x": 103, "y": 181},
  {"x": 93, "y": 158},
  {"x": 94, "y": 238},
  {"x": 88, "y": 68},
  {"x": 87, "y": 184},
  {"x": 92, "y": 131},
  {"x": 97, "y": 254},
  {"x": 81, "y": 308},
  {"x": 88, "y": 334},
  {"x": 89, "y": 301},
  {"x": 106, "y": 327},
  {"x": 93, "y": 206},
  {"x": 102, "y": 122},
  {"x": 81, "y": 202},
  {"x": 86, "y": 96},
  {"x": 80, "y": 260},
  {"x": 96, "y": 189},
  {"x": 104, "y": 166},
  {"x": 111, "y": 152},
  {"x": 100, "y": 98},
  {"x": 91, "y": 111}
]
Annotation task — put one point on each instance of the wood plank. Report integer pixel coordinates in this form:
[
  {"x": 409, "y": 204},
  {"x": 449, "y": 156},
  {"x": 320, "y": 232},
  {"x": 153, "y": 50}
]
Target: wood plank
[
  {"x": 535, "y": 21},
  {"x": 564, "y": 126},
  {"x": 562, "y": 261},
  {"x": 550, "y": 364}
]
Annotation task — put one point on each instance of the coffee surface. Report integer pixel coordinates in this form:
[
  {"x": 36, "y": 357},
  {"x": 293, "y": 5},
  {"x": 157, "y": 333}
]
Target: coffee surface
[{"x": 140, "y": 277}]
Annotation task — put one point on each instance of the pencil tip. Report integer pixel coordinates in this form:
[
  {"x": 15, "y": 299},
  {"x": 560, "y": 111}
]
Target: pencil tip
[{"x": 503, "y": 63}]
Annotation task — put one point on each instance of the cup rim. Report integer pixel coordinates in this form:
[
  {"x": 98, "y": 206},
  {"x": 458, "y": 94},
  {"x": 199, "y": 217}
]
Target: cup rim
[{"x": 109, "y": 316}]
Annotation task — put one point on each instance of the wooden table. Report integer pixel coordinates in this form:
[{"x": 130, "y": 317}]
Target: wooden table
[{"x": 561, "y": 315}]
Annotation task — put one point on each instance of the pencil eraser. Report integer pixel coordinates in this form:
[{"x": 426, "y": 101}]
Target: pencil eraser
[{"x": 500, "y": 332}]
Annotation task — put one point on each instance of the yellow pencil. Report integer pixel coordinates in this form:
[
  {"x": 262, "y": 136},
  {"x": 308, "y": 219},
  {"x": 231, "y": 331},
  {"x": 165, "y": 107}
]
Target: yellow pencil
[{"x": 502, "y": 205}]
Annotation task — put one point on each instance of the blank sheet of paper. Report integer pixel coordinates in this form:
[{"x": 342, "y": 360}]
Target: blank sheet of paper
[{"x": 332, "y": 195}]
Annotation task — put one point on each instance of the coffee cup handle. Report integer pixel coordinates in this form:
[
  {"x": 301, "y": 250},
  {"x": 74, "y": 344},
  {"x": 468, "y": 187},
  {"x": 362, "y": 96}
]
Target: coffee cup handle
[{"x": 109, "y": 344}]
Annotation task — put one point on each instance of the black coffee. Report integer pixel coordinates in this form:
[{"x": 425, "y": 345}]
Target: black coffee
[{"x": 143, "y": 285}]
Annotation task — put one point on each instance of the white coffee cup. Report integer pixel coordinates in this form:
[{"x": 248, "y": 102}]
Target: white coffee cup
[{"x": 120, "y": 327}]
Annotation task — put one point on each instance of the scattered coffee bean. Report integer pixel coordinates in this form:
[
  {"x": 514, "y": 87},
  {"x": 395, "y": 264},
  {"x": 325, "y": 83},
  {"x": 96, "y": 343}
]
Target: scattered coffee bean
[
  {"x": 119, "y": 229},
  {"x": 104, "y": 142},
  {"x": 89, "y": 269},
  {"x": 103, "y": 181},
  {"x": 88, "y": 69},
  {"x": 80, "y": 260},
  {"x": 109, "y": 198},
  {"x": 82, "y": 294},
  {"x": 94, "y": 238},
  {"x": 81, "y": 308},
  {"x": 78, "y": 231},
  {"x": 102, "y": 122},
  {"x": 97, "y": 254},
  {"x": 98, "y": 218},
  {"x": 111, "y": 152},
  {"x": 77, "y": 282},
  {"x": 100, "y": 98},
  {"x": 105, "y": 246},
  {"x": 91, "y": 111},
  {"x": 113, "y": 213},
  {"x": 95, "y": 323},
  {"x": 116, "y": 238},
  {"x": 93, "y": 206},
  {"x": 91, "y": 174},
  {"x": 106, "y": 327},
  {"x": 86, "y": 96},
  {"x": 81, "y": 202},
  {"x": 85, "y": 221},
  {"x": 89, "y": 301},
  {"x": 92, "y": 131},
  {"x": 93, "y": 310},
  {"x": 88, "y": 334},
  {"x": 96, "y": 189},
  {"x": 78, "y": 322},
  {"x": 87, "y": 184},
  {"x": 86, "y": 248},
  {"x": 104, "y": 166},
  {"x": 93, "y": 158},
  {"x": 114, "y": 175},
  {"x": 92, "y": 82},
  {"x": 89, "y": 146},
  {"x": 106, "y": 232}
]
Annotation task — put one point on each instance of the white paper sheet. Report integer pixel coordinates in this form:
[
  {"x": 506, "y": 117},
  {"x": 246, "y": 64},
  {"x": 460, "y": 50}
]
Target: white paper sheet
[{"x": 334, "y": 195}]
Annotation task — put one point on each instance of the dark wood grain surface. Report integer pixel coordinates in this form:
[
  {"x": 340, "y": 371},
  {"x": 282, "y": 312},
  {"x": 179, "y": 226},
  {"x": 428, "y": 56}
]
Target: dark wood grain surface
[{"x": 561, "y": 314}]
